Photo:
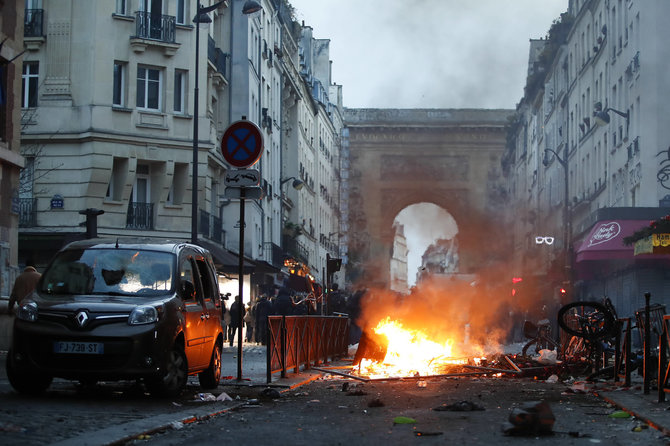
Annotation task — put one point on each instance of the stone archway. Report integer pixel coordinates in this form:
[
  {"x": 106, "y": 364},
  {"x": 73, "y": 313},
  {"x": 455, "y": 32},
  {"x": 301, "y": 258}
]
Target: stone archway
[{"x": 450, "y": 158}]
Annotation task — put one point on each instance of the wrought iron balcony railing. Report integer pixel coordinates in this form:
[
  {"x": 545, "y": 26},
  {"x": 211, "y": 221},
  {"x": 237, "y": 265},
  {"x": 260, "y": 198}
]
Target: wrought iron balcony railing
[
  {"x": 155, "y": 26},
  {"x": 210, "y": 226},
  {"x": 216, "y": 56},
  {"x": 140, "y": 216},
  {"x": 33, "y": 23}
]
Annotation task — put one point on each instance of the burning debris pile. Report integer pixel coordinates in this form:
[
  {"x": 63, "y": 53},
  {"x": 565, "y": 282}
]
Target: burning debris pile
[{"x": 445, "y": 327}]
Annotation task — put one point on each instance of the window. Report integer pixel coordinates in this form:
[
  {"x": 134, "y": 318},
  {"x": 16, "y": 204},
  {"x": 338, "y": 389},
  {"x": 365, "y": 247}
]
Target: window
[
  {"x": 180, "y": 91},
  {"x": 141, "y": 188},
  {"x": 30, "y": 78},
  {"x": 149, "y": 88},
  {"x": 182, "y": 11},
  {"x": 122, "y": 7},
  {"x": 119, "y": 84},
  {"x": 117, "y": 179},
  {"x": 178, "y": 186}
]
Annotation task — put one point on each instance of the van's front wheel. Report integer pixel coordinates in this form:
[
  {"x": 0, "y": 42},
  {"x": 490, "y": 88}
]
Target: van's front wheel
[{"x": 173, "y": 380}]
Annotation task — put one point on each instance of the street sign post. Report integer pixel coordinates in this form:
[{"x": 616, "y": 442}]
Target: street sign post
[
  {"x": 255, "y": 193},
  {"x": 242, "y": 144},
  {"x": 242, "y": 178}
]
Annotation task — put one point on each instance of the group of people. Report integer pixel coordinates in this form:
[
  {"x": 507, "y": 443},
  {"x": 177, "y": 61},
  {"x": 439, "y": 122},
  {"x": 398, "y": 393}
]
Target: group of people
[
  {"x": 254, "y": 318},
  {"x": 283, "y": 302}
]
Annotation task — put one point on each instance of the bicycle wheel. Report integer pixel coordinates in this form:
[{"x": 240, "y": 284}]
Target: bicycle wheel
[
  {"x": 588, "y": 320},
  {"x": 532, "y": 342}
]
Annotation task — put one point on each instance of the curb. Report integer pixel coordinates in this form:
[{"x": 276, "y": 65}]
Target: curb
[
  {"x": 123, "y": 433},
  {"x": 636, "y": 413}
]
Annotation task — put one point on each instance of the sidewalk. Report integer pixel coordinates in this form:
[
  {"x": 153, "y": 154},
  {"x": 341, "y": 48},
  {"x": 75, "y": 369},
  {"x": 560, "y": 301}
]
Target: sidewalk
[
  {"x": 254, "y": 369},
  {"x": 644, "y": 407}
]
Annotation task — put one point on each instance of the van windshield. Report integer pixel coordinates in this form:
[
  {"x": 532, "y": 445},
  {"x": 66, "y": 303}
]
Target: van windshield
[{"x": 110, "y": 272}]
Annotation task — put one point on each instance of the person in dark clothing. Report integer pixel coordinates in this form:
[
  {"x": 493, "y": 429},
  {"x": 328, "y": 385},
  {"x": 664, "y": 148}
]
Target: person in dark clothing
[
  {"x": 354, "y": 309},
  {"x": 235, "y": 319},
  {"x": 263, "y": 310},
  {"x": 283, "y": 303},
  {"x": 336, "y": 301}
]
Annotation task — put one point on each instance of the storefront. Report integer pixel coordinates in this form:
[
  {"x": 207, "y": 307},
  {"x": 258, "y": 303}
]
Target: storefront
[{"x": 607, "y": 266}]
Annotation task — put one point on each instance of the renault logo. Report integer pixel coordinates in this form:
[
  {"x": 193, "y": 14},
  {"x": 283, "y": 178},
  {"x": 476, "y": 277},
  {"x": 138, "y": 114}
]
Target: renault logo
[{"x": 82, "y": 318}]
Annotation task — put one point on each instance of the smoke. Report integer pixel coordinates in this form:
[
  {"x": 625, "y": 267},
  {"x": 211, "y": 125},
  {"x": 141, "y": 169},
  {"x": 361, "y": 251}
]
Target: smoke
[
  {"x": 478, "y": 315},
  {"x": 478, "y": 310},
  {"x": 443, "y": 53}
]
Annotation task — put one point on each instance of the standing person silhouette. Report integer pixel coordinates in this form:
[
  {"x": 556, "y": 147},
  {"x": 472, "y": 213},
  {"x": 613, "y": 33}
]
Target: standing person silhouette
[{"x": 23, "y": 285}]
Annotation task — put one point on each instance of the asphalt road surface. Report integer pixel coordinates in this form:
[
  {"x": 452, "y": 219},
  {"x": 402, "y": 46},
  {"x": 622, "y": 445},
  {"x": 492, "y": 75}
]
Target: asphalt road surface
[{"x": 338, "y": 411}]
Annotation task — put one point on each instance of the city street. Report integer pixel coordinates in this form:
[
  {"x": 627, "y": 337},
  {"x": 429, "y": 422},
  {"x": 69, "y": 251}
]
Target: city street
[{"x": 330, "y": 410}]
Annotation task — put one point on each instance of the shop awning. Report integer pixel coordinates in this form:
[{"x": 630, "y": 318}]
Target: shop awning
[
  {"x": 605, "y": 240},
  {"x": 226, "y": 261}
]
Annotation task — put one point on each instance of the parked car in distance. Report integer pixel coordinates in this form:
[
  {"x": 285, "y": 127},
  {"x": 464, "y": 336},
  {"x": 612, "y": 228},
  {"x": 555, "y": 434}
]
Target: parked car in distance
[{"x": 108, "y": 310}]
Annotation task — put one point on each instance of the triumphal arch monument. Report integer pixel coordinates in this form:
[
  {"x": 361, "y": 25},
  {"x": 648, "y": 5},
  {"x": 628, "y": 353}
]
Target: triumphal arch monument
[{"x": 399, "y": 157}]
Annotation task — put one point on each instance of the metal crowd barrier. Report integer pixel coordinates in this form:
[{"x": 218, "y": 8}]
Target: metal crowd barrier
[
  {"x": 622, "y": 358},
  {"x": 663, "y": 366},
  {"x": 304, "y": 341}
]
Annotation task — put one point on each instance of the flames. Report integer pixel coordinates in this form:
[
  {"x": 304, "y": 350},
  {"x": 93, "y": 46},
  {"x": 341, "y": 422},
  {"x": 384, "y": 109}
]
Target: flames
[{"x": 409, "y": 352}]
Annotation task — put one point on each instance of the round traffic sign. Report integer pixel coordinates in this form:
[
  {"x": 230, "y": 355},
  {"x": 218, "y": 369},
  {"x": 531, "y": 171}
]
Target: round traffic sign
[{"x": 242, "y": 144}]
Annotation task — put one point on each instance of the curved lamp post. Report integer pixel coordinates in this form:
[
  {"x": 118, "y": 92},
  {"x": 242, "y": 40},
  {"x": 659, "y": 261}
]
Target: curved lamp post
[
  {"x": 297, "y": 183},
  {"x": 202, "y": 19},
  {"x": 567, "y": 220}
]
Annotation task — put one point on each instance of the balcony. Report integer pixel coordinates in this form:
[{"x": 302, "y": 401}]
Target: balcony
[
  {"x": 140, "y": 216},
  {"x": 210, "y": 226},
  {"x": 155, "y": 30},
  {"x": 27, "y": 212},
  {"x": 295, "y": 249},
  {"x": 216, "y": 56},
  {"x": 33, "y": 29}
]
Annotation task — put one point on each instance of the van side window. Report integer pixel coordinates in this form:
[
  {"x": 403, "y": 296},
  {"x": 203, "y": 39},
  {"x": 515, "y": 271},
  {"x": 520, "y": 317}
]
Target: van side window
[
  {"x": 187, "y": 273},
  {"x": 207, "y": 280}
]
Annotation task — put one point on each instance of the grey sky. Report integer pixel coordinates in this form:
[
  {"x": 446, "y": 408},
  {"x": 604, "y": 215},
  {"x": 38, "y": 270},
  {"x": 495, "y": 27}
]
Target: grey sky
[{"x": 430, "y": 53}]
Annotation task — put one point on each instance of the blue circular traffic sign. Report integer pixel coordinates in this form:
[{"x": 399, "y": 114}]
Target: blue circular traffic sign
[{"x": 242, "y": 144}]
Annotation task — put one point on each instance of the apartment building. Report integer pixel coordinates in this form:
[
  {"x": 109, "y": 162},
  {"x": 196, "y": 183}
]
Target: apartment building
[
  {"x": 109, "y": 120},
  {"x": 589, "y": 148},
  {"x": 11, "y": 162}
]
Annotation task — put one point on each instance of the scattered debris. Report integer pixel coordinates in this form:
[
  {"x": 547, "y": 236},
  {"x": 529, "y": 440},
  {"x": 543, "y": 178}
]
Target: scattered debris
[
  {"x": 619, "y": 414},
  {"x": 404, "y": 420},
  {"x": 270, "y": 393},
  {"x": 224, "y": 397},
  {"x": 553, "y": 379},
  {"x": 427, "y": 434},
  {"x": 534, "y": 418},
  {"x": 461, "y": 406},
  {"x": 205, "y": 397},
  {"x": 376, "y": 403}
]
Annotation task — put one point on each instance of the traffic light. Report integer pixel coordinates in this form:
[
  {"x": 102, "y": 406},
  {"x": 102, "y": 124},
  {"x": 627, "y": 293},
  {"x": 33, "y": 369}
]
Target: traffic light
[{"x": 333, "y": 264}]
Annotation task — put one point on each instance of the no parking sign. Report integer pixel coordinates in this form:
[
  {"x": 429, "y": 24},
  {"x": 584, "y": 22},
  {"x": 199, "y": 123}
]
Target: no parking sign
[{"x": 242, "y": 144}]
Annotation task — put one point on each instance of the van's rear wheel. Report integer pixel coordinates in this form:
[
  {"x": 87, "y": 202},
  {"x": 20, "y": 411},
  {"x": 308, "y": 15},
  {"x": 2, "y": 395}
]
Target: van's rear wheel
[
  {"x": 209, "y": 379},
  {"x": 173, "y": 380}
]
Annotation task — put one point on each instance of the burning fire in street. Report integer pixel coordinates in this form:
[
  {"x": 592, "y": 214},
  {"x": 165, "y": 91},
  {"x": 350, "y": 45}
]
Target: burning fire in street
[
  {"x": 444, "y": 326},
  {"x": 409, "y": 352}
]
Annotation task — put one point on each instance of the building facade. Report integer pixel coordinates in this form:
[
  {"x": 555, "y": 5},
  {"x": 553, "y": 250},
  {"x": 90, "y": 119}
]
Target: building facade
[
  {"x": 587, "y": 150},
  {"x": 11, "y": 162},
  {"x": 109, "y": 121}
]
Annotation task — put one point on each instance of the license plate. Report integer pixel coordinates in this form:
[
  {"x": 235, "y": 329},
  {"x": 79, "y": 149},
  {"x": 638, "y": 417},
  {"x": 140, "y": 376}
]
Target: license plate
[{"x": 80, "y": 348}]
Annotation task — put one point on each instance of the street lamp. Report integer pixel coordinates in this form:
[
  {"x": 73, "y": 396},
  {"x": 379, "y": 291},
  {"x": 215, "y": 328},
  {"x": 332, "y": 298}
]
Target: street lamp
[
  {"x": 602, "y": 117},
  {"x": 202, "y": 18},
  {"x": 297, "y": 183},
  {"x": 567, "y": 223}
]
